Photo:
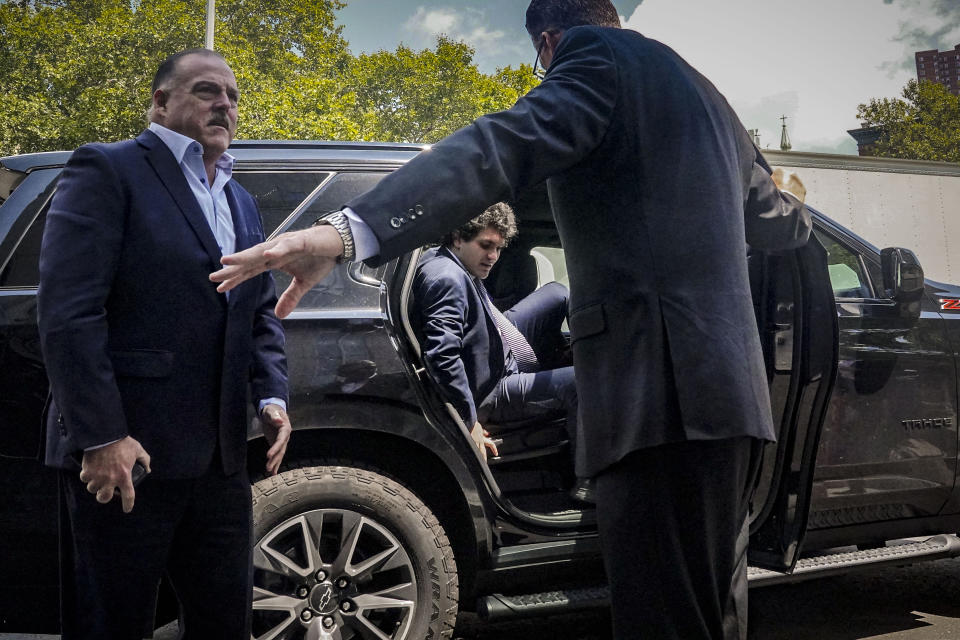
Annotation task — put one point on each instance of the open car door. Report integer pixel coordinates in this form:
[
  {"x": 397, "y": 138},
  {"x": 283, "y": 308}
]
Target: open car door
[{"x": 797, "y": 318}]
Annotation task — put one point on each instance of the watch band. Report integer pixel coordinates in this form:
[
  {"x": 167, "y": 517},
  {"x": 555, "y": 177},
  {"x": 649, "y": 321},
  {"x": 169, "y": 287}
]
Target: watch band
[{"x": 338, "y": 220}]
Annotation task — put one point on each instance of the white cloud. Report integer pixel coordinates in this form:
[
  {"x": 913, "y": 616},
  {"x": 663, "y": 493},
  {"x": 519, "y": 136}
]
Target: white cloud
[
  {"x": 433, "y": 22},
  {"x": 813, "y": 61},
  {"x": 469, "y": 26}
]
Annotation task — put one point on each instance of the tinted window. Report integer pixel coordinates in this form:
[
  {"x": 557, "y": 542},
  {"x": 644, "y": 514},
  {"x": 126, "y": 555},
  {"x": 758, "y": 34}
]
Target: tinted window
[
  {"x": 278, "y": 193},
  {"x": 338, "y": 290},
  {"x": 847, "y": 275},
  {"x": 28, "y": 206},
  {"x": 23, "y": 269},
  {"x": 340, "y": 188}
]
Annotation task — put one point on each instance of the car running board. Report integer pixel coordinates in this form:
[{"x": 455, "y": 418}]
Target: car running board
[
  {"x": 501, "y": 607},
  {"x": 896, "y": 552}
]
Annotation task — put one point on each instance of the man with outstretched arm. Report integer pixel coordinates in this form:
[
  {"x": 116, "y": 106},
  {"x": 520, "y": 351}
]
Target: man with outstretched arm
[{"x": 656, "y": 189}]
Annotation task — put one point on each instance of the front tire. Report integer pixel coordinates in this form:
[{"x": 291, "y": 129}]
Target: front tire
[{"x": 343, "y": 551}]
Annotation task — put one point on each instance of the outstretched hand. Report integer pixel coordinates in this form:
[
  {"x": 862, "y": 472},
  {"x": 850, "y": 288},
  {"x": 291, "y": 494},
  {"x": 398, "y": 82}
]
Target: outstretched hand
[{"x": 308, "y": 255}]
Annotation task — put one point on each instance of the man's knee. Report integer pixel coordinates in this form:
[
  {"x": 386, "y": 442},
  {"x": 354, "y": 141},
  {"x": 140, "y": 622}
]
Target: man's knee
[{"x": 557, "y": 296}]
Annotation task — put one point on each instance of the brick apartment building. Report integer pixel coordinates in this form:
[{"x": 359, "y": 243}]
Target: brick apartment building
[{"x": 940, "y": 66}]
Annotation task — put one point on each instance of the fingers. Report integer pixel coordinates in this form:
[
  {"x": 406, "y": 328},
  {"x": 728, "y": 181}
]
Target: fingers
[
  {"x": 490, "y": 444},
  {"x": 127, "y": 495},
  {"x": 277, "y": 431},
  {"x": 278, "y": 450},
  {"x": 243, "y": 265},
  {"x": 230, "y": 277},
  {"x": 144, "y": 458},
  {"x": 107, "y": 470},
  {"x": 103, "y": 494},
  {"x": 254, "y": 256},
  {"x": 290, "y": 298}
]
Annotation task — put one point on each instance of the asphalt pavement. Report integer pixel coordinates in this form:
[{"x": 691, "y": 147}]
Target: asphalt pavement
[{"x": 916, "y": 602}]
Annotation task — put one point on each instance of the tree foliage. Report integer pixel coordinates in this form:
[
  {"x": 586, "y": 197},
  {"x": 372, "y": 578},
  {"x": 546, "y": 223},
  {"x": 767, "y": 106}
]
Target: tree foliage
[
  {"x": 422, "y": 96},
  {"x": 923, "y": 125},
  {"x": 74, "y": 71}
]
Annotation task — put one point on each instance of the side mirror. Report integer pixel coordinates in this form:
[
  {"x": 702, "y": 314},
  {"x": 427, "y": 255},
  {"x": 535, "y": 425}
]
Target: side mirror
[{"x": 902, "y": 275}]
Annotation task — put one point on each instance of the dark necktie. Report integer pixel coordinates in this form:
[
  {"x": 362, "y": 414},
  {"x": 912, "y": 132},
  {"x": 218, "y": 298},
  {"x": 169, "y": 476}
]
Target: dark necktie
[{"x": 516, "y": 342}]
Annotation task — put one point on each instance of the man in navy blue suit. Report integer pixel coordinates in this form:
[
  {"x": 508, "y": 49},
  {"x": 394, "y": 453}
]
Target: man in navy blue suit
[
  {"x": 148, "y": 364},
  {"x": 491, "y": 365},
  {"x": 656, "y": 189}
]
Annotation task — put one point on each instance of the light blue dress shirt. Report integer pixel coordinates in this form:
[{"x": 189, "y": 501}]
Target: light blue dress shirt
[{"x": 212, "y": 199}]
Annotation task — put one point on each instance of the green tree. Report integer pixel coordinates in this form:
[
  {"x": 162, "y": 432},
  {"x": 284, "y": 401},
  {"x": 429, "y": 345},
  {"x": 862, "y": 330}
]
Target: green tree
[
  {"x": 923, "y": 125},
  {"x": 422, "y": 96},
  {"x": 75, "y": 71}
]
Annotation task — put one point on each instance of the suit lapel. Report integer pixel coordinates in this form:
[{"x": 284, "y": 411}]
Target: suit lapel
[
  {"x": 481, "y": 293},
  {"x": 170, "y": 174},
  {"x": 246, "y": 234}
]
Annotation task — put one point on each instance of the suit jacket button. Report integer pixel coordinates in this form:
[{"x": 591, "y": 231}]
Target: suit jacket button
[
  {"x": 395, "y": 222},
  {"x": 419, "y": 209}
]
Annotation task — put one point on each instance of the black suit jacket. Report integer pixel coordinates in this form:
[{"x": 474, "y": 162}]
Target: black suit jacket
[
  {"x": 135, "y": 338},
  {"x": 461, "y": 346},
  {"x": 655, "y": 187}
]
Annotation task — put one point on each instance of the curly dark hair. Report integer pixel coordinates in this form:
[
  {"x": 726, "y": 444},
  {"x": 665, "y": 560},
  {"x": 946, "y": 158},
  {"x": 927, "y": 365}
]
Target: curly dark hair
[
  {"x": 499, "y": 216},
  {"x": 560, "y": 15}
]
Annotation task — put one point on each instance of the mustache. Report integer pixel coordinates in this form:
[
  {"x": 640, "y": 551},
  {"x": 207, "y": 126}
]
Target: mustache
[{"x": 220, "y": 120}]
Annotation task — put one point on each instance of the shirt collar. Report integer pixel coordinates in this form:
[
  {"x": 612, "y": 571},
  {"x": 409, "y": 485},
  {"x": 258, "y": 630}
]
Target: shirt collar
[
  {"x": 476, "y": 279},
  {"x": 180, "y": 145},
  {"x": 457, "y": 260}
]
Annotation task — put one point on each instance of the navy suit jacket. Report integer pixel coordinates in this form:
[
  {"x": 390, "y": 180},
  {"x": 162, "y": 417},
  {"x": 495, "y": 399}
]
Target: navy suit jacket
[
  {"x": 135, "y": 338},
  {"x": 656, "y": 188},
  {"x": 462, "y": 348}
]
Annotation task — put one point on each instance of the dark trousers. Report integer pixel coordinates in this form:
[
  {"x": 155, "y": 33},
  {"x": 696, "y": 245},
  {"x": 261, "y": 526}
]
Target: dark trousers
[
  {"x": 197, "y": 531},
  {"x": 539, "y": 317},
  {"x": 673, "y": 530}
]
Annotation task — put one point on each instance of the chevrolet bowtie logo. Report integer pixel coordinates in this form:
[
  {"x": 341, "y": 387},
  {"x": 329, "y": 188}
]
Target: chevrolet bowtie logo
[
  {"x": 322, "y": 599},
  {"x": 325, "y": 598}
]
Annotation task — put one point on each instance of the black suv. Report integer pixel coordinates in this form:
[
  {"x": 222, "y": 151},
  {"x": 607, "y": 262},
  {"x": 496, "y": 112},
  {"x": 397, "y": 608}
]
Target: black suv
[{"x": 385, "y": 522}]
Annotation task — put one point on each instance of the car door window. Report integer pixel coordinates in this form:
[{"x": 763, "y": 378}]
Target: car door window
[
  {"x": 279, "y": 193},
  {"x": 335, "y": 291},
  {"x": 847, "y": 273},
  {"x": 23, "y": 269},
  {"x": 338, "y": 190}
]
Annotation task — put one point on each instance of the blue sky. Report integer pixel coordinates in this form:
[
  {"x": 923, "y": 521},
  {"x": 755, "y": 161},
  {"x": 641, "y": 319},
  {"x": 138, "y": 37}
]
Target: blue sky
[{"x": 811, "y": 60}]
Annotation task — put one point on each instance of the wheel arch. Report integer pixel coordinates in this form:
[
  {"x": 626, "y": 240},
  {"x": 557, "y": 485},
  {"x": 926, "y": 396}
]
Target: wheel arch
[{"x": 395, "y": 440}]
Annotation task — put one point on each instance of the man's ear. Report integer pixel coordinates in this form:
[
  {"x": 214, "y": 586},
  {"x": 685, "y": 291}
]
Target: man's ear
[
  {"x": 550, "y": 41},
  {"x": 159, "y": 99}
]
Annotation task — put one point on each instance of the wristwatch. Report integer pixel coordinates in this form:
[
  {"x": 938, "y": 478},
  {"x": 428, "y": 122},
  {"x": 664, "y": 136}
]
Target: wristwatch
[{"x": 338, "y": 220}]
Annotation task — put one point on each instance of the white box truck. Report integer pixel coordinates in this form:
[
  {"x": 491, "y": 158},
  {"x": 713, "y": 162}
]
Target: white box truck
[{"x": 889, "y": 202}]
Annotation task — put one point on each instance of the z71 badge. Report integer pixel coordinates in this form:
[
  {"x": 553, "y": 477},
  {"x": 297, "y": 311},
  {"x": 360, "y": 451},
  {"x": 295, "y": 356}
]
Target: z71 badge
[{"x": 950, "y": 304}]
